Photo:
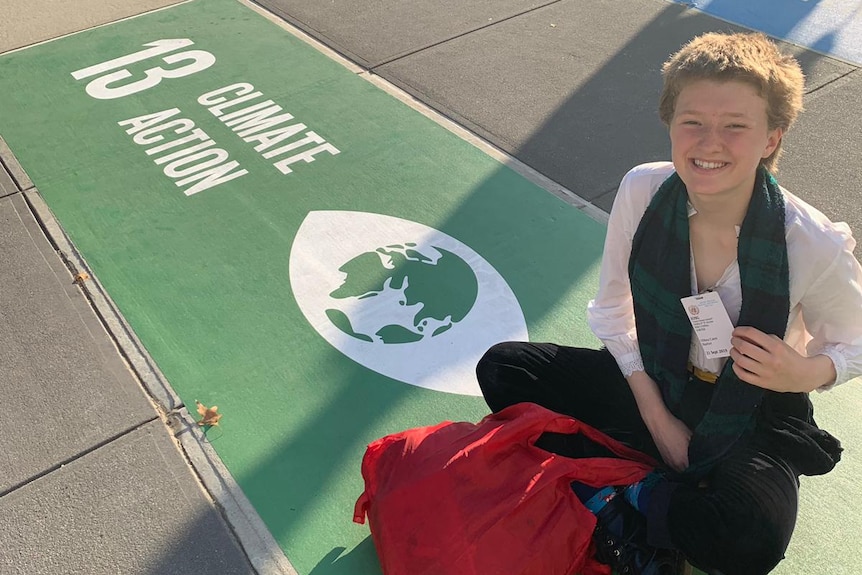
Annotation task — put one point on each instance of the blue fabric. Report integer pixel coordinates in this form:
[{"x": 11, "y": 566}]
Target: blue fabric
[
  {"x": 638, "y": 494},
  {"x": 598, "y": 501}
]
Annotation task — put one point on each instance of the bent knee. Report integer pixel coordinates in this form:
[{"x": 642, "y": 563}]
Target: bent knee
[
  {"x": 756, "y": 552},
  {"x": 488, "y": 368},
  {"x": 747, "y": 559},
  {"x": 495, "y": 372},
  {"x": 497, "y": 354}
]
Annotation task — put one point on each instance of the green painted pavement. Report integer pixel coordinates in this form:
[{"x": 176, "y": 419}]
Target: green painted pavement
[{"x": 222, "y": 238}]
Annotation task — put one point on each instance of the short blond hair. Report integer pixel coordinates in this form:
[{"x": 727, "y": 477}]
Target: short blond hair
[{"x": 747, "y": 57}]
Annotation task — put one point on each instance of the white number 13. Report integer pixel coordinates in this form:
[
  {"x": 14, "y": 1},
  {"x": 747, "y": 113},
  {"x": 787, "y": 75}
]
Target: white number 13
[{"x": 106, "y": 88}]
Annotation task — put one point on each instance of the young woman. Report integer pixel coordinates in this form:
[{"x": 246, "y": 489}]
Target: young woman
[{"x": 732, "y": 423}]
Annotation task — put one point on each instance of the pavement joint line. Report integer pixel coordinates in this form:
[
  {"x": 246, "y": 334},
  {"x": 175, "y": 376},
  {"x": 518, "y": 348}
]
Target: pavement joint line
[
  {"x": 78, "y": 456},
  {"x": 439, "y": 118},
  {"x": 123, "y": 336},
  {"x": 13, "y": 50},
  {"x": 9, "y": 195},
  {"x": 611, "y": 190},
  {"x": 8, "y": 159},
  {"x": 255, "y": 539},
  {"x": 460, "y": 35},
  {"x": 840, "y": 78}
]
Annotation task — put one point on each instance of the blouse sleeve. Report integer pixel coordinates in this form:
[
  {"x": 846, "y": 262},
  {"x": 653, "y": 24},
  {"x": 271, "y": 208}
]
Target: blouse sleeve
[
  {"x": 611, "y": 313},
  {"x": 832, "y": 309}
]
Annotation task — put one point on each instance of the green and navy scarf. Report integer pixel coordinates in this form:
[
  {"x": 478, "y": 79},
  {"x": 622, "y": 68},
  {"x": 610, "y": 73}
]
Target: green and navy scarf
[{"x": 660, "y": 274}]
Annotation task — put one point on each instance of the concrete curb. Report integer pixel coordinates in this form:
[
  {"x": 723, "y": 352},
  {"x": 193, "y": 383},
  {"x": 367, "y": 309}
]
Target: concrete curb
[
  {"x": 22, "y": 180},
  {"x": 260, "y": 546}
]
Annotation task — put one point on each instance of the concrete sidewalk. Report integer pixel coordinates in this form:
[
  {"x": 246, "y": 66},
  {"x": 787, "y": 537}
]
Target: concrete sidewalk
[{"x": 102, "y": 469}]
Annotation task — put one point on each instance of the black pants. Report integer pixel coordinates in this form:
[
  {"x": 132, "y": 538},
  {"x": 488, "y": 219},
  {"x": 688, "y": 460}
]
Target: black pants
[{"x": 738, "y": 523}]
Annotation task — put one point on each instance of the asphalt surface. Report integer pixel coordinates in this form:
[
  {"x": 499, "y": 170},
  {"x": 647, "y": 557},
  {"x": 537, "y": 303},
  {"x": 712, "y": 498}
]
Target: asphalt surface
[{"x": 102, "y": 470}]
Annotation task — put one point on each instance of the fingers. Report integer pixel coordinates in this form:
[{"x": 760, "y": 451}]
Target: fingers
[
  {"x": 677, "y": 462},
  {"x": 752, "y": 334},
  {"x": 755, "y": 354},
  {"x": 755, "y": 338},
  {"x": 744, "y": 374},
  {"x": 749, "y": 350},
  {"x": 681, "y": 463},
  {"x": 674, "y": 444},
  {"x": 748, "y": 369},
  {"x": 761, "y": 359}
]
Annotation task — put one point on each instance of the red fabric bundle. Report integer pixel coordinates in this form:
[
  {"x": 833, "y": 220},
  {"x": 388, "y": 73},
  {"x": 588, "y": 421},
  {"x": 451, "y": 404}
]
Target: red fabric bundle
[{"x": 482, "y": 499}]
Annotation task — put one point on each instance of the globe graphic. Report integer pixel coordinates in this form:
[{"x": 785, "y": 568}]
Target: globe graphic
[{"x": 402, "y": 294}]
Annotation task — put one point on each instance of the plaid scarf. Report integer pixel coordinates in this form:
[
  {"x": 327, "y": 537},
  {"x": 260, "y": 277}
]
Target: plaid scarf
[{"x": 660, "y": 274}]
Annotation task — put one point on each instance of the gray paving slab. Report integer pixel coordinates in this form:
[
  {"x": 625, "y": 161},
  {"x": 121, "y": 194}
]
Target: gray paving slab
[
  {"x": 570, "y": 89},
  {"x": 374, "y": 31},
  {"x": 129, "y": 507},
  {"x": 25, "y": 22},
  {"x": 63, "y": 386},
  {"x": 823, "y": 153}
]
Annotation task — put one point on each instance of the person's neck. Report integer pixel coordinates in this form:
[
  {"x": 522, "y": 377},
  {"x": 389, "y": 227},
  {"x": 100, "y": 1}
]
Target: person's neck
[{"x": 720, "y": 211}]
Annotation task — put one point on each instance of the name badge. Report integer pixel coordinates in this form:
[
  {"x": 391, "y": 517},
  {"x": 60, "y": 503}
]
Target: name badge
[{"x": 710, "y": 322}]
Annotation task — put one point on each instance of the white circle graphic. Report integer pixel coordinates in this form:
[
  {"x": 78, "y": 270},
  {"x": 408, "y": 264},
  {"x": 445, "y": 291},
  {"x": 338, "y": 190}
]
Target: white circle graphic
[{"x": 444, "y": 354}]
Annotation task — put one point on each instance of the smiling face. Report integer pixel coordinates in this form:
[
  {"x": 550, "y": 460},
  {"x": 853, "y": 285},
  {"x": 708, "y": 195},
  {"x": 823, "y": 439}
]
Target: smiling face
[{"x": 719, "y": 133}]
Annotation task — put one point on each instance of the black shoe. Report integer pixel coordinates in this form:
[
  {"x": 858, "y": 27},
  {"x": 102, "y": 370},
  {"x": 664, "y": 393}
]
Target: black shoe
[{"x": 621, "y": 542}]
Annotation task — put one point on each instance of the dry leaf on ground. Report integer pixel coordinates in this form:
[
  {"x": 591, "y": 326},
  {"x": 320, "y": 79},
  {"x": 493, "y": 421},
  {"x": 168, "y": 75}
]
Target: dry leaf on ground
[{"x": 209, "y": 415}]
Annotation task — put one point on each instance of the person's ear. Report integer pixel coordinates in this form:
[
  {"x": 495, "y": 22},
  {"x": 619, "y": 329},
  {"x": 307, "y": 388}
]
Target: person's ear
[{"x": 773, "y": 138}]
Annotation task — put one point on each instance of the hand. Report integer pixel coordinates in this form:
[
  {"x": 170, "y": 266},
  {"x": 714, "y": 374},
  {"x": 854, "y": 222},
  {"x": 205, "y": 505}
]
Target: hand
[
  {"x": 767, "y": 361},
  {"x": 672, "y": 437}
]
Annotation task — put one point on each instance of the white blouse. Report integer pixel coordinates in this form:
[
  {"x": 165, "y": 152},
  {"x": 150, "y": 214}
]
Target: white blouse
[{"x": 825, "y": 283}]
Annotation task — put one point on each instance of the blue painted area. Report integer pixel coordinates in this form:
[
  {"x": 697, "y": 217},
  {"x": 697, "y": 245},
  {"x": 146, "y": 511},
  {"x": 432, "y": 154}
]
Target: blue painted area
[{"x": 831, "y": 27}]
